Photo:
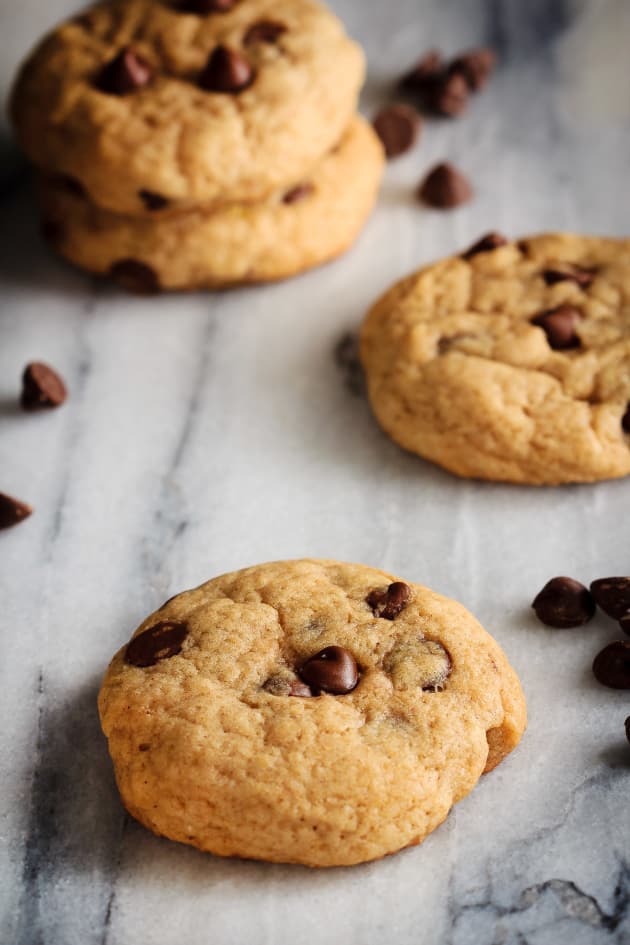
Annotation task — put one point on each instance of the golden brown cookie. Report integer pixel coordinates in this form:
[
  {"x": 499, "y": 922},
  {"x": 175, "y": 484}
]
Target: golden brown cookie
[
  {"x": 306, "y": 712},
  {"x": 150, "y": 106},
  {"x": 510, "y": 362},
  {"x": 296, "y": 229}
]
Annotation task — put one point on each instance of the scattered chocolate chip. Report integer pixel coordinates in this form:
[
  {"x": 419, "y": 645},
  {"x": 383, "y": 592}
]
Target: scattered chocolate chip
[
  {"x": 347, "y": 359},
  {"x": 559, "y": 326},
  {"x": 299, "y": 688},
  {"x": 265, "y": 31},
  {"x": 425, "y": 73},
  {"x": 445, "y": 187},
  {"x": 143, "y": 747},
  {"x": 449, "y": 96},
  {"x": 124, "y": 74},
  {"x": 611, "y": 667},
  {"x": 485, "y": 245},
  {"x": 612, "y": 594},
  {"x": 52, "y": 231},
  {"x": 135, "y": 276},
  {"x": 475, "y": 66},
  {"x": 153, "y": 201},
  {"x": 628, "y": 728},
  {"x": 583, "y": 277},
  {"x": 625, "y": 420},
  {"x": 398, "y": 127},
  {"x": 42, "y": 387},
  {"x": 564, "y": 602},
  {"x": 300, "y": 192},
  {"x": 12, "y": 511},
  {"x": 227, "y": 71},
  {"x": 334, "y": 669},
  {"x": 390, "y": 602},
  {"x": 207, "y": 6},
  {"x": 624, "y": 623},
  {"x": 159, "y": 642}
]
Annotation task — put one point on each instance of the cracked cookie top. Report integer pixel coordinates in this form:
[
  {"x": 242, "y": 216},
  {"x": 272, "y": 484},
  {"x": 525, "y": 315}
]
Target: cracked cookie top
[
  {"x": 149, "y": 106},
  {"x": 306, "y": 711},
  {"x": 509, "y": 362}
]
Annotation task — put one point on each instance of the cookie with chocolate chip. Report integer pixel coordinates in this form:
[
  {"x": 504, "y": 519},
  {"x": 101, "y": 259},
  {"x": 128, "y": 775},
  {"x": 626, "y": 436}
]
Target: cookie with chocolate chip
[
  {"x": 510, "y": 361},
  {"x": 306, "y": 712},
  {"x": 152, "y": 106},
  {"x": 297, "y": 228}
]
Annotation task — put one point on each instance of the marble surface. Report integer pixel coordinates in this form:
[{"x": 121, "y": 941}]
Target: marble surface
[{"x": 207, "y": 432}]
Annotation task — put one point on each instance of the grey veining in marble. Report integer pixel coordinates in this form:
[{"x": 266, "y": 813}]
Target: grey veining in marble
[{"x": 211, "y": 431}]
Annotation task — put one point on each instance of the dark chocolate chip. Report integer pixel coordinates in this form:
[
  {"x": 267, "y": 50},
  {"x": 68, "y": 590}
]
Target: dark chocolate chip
[
  {"x": 625, "y": 420},
  {"x": 265, "y": 31},
  {"x": 583, "y": 277},
  {"x": 143, "y": 747},
  {"x": 624, "y": 623},
  {"x": 12, "y": 511},
  {"x": 611, "y": 667},
  {"x": 398, "y": 127},
  {"x": 612, "y": 594},
  {"x": 135, "y": 276},
  {"x": 450, "y": 96},
  {"x": 445, "y": 187},
  {"x": 153, "y": 201},
  {"x": 42, "y": 387},
  {"x": 485, "y": 245},
  {"x": 207, "y": 6},
  {"x": 124, "y": 74},
  {"x": 564, "y": 602},
  {"x": 389, "y": 602},
  {"x": 559, "y": 326},
  {"x": 334, "y": 669},
  {"x": 475, "y": 66},
  {"x": 227, "y": 71},
  {"x": 425, "y": 73},
  {"x": 300, "y": 192},
  {"x": 628, "y": 728},
  {"x": 159, "y": 642},
  {"x": 299, "y": 688}
]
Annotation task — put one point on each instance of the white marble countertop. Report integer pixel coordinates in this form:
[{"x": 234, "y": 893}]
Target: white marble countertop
[{"x": 211, "y": 431}]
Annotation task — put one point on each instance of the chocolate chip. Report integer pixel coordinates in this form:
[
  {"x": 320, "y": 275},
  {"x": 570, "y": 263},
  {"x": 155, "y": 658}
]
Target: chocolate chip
[
  {"x": 611, "y": 667},
  {"x": 265, "y": 31},
  {"x": 583, "y": 277},
  {"x": 227, "y": 71},
  {"x": 159, "y": 642},
  {"x": 449, "y": 96},
  {"x": 388, "y": 603},
  {"x": 612, "y": 594},
  {"x": 625, "y": 420},
  {"x": 207, "y": 6},
  {"x": 628, "y": 728},
  {"x": 624, "y": 623},
  {"x": 485, "y": 245},
  {"x": 425, "y": 73},
  {"x": 559, "y": 326},
  {"x": 298, "y": 688},
  {"x": 475, "y": 66},
  {"x": 12, "y": 511},
  {"x": 124, "y": 74},
  {"x": 445, "y": 187},
  {"x": 564, "y": 602},
  {"x": 398, "y": 127},
  {"x": 334, "y": 669},
  {"x": 135, "y": 276},
  {"x": 143, "y": 747},
  {"x": 153, "y": 201},
  {"x": 42, "y": 387},
  {"x": 300, "y": 192}
]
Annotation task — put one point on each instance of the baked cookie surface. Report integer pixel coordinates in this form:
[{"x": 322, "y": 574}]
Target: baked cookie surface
[
  {"x": 510, "y": 362},
  {"x": 167, "y": 127},
  {"x": 306, "y": 712},
  {"x": 292, "y": 231}
]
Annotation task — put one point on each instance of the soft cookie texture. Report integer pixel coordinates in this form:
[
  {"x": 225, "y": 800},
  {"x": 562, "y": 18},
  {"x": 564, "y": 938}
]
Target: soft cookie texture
[
  {"x": 306, "y": 712},
  {"x": 166, "y": 125},
  {"x": 293, "y": 230},
  {"x": 510, "y": 362}
]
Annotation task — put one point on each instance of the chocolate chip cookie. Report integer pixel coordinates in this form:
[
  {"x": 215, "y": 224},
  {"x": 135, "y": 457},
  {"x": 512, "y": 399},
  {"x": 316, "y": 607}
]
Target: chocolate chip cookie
[
  {"x": 148, "y": 105},
  {"x": 306, "y": 712},
  {"x": 297, "y": 228},
  {"x": 511, "y": 361}
]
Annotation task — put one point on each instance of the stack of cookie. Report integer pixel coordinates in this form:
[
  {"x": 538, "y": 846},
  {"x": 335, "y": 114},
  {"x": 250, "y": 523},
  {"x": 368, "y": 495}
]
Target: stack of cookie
[{"x": 196, "y": 143}]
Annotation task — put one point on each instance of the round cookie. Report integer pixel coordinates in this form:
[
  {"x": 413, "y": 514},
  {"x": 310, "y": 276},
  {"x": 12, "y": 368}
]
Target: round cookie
[
  {"x": 294, "y": 230},
  {"x": 510, "y": 362},
  {"x": 306, "y": 712},
  {"x": 128, "y": 101}
]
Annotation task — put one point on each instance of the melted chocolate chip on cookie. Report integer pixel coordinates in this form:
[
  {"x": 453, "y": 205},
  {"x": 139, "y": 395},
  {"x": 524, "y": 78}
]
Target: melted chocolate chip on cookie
[
  {"x": 124, "y": 74},
  {"x": 582, "y": 277},
  {"x": 227, "y": 71},
  {"x": 486, "y": 244},
  {"x": 559, "y": 326},
  {"x": 160, "y": 642},
  {"x": 334, "y": 669},
  {"x": 390, "y": 602}
]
